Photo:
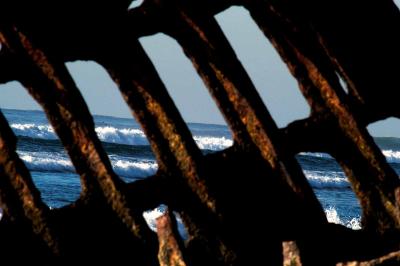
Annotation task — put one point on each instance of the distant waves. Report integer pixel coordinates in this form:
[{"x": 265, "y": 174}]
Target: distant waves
[
  {"x": 110, "y": 134},
  {"x": 327, "y": 179},
  {"x": 135, "y": 136},
  {"x": 392, "y": 156},
  {"x": 57, "y": 162}
]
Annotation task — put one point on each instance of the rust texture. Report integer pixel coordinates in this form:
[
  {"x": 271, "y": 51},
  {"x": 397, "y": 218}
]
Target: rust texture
[
  {"x": 170, "y": 251},
  {"x": 207, "y": 191}
]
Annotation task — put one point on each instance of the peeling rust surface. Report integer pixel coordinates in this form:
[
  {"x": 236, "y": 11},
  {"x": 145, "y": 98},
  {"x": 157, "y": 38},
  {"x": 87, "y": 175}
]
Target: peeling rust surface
[
  {"x": 205, "y": 190},
  {"x": 169, "y": 251}
]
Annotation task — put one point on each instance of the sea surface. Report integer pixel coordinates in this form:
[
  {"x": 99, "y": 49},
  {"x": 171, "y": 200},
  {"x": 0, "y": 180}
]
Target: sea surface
[{"x": 132, "y": 159}]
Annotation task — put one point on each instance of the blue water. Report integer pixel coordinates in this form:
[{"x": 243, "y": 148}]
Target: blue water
[{"x": 132, "y": 159}]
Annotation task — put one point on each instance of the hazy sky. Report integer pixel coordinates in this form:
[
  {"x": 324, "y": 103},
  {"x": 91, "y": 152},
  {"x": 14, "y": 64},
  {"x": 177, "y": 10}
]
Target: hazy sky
[{"x": 276, "y": 86}]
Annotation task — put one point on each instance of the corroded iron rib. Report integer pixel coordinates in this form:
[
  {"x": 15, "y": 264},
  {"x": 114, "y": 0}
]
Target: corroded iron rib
[
  {"x": 19, "y": 198},
  {"x": 49, "y": 82},
  {"x": 214, "y": 59},
  {"x": 170, "y": 251},
  {"x": 374, "y": 181}
]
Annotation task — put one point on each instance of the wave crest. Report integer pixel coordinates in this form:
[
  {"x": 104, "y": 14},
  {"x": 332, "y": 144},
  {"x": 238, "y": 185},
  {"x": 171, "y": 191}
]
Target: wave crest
[
  {"x": 53, "y": 162},
  {"x": 323, "y": 179},
  {"x": 392, "y": 156},
  {"x": 34, "y": 131},
  {"x": 39, "y": 161},
  {"x": 212, "y": 143},
  {"x": 134, "y": 168},
  {"x": 333, "y": 217},
  {"x": 129, "y": 136},
  {"x": 316, "y": 154},
  {"x": 152, "y": 215},
  {"x": 110, "y": 134}
]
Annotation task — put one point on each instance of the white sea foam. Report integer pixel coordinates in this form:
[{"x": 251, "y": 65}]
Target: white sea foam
[
  {"x": 151, "y": 217},
  {"x": 354, "y": 223},
  {"x": 316, "y": 154},
  {"x": 22, "y": 126},
  {"x": 33, "y": 130},
  {"x": 333, "y": 217},
  {"x": 43, "y": 161},
  {"x": 134, "y": 168},
  {"x": 392, "y": 156},
  {"x": 128, "y": 136},
  {"x": 326, "y": 179},
  {"x": 213, "y": 143},
  {"x": 55, "y": 162}
]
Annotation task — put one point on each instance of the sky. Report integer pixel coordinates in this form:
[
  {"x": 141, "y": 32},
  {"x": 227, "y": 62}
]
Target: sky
[{"x": 276, "y": 86}]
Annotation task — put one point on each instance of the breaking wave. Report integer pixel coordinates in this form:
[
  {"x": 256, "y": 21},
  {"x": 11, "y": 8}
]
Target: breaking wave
[
  {"x": 152, "y": 215},
  {"x": 333, "y": 217},
  {"x": 34, "y": 130},
  {"x": 392, "y": 156},
  {"x": 324, "y": 179},
  {"x": 127, "y": 136},
  {"x": 212, "y": 143},
  {"x": 54, "y": 162}
]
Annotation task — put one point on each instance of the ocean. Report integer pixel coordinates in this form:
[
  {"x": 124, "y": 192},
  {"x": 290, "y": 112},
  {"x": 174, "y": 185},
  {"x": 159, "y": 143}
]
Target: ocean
[{"x": 132, "y": 159}]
